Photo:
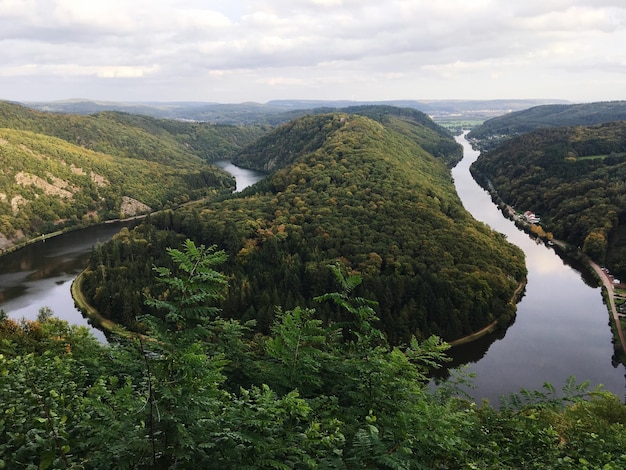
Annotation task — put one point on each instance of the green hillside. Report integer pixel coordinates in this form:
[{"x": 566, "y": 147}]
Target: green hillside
[
  {"x": 347, "y": 190},
  {"x": 495, "y": 130},
  {"x": 302, "y": 135},
  {"x": 47, "y": 184},
  {"x": 64, "y": 170},
  {"x": 574, "y": 178},
  {"x": 175, "y": 143}
]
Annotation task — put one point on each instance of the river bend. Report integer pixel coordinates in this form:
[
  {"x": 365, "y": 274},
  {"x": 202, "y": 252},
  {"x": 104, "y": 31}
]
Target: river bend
[{"x": 561, "y": 328}]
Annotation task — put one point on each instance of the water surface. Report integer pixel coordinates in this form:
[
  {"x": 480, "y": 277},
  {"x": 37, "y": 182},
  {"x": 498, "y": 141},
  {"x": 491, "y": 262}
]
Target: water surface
[
  {"x": 562, "y": 325},
  {"x": 41, "y": 274}
]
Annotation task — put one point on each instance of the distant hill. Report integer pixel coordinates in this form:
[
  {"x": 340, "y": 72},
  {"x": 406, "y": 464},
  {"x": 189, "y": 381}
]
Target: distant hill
[
  {"x": 304, "y": 137},
  {"x": 281, "y": 111},
  {"x": 574, "y": 178},
  {"x": 495, "y": 130},
  {"x": 134, "y": 136},
  {"x": 47, "y": 184},
  {"x": 345, "y": 189}
]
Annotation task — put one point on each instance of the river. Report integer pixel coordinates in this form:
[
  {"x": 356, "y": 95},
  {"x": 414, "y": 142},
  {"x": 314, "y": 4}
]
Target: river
[
  {"x": 562, "y": 325},
  {"x": 243, "y": 176},
  {"x": 41, "y": 274},
  {"x": 561, "y": 328}
]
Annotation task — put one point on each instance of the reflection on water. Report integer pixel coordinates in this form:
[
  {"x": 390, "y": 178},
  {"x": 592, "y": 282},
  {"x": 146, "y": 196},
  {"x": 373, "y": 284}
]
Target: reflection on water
[
  {"x": 243, "y": 176},
  {"x": 41, "y": 274},
  {"x": 561, "y": 327}
]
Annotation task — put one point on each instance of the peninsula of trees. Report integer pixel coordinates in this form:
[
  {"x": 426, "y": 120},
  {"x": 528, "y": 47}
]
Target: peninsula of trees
[{"x": 346, "y": 189}]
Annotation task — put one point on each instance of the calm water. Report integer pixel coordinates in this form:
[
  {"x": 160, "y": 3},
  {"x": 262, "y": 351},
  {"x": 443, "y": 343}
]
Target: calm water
[
  {"x": 243, "y": 176},
  {"x": 562, "y": 325},
  {"x": 41, "y": 274}
]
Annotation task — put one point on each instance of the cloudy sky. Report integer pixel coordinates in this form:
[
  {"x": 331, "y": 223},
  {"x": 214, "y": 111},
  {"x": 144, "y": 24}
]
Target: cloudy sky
[{"x": 232, "y": 51}]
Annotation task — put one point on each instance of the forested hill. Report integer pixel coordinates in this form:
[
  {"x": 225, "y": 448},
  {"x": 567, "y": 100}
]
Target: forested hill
[
  {"x": 574, "y": 178},
  {"x": 175, "y": 143},
  {"x": 495, "y": 130},
  {"x": 305, "y": 135},
  {"x": 356, "y": 192},
  {"x": 60, "y": 171},
  {"x": 47, "y": 184}
]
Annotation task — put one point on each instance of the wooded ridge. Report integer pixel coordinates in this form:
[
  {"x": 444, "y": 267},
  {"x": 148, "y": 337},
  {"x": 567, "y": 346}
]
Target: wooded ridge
[
  {"x": 61, "y": 171},
  {"x": 574, "y": 178},
  {"x": 346, "y": 189},
  {"x": 498, "y": 129}
]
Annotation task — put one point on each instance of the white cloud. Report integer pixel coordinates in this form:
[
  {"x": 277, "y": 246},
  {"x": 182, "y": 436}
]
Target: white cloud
[
  {"x": 274, "y": 48},
  {"x": 67, "y": 70}
]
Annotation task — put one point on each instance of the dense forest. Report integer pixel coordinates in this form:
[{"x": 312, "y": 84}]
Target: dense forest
[
  {"x": 306, "y": 135},
  {"x": 61, "y": 171},
  {"x": 574, "y": 178},
  {"x": 493, "y": 131},
  {"x": 294, "y": 325},
  {"x": 202, "y": 391},
  {"x": 348, "y": 190}
]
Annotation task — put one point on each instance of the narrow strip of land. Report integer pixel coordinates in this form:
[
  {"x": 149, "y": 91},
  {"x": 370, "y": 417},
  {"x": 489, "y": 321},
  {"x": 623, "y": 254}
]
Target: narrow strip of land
[
  {"x": 492, "y": 326},
  {"x": 610, "y": 291},
  {"x": 91, "y": 313}
]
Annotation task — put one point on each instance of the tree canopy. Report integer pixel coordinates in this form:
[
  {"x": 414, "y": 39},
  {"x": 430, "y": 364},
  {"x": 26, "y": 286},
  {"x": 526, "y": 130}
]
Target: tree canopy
[
  {"x": 61, "y": 171},
  {"x": 498, "y": 129},
  {"x": 574, "y": 178},
  {"x": 351, "y": 190},
  {"x": 201, "y": 391}
]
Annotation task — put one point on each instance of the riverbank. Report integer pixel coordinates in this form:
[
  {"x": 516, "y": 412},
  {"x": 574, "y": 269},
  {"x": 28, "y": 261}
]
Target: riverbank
[
  {"x": 494, "y": 325},
  {"x": 104, "y": 324},
  {"x": 567, "y": 252},
  {"x": 47, "y": 236},
  {"x": 40, "y": 238}
]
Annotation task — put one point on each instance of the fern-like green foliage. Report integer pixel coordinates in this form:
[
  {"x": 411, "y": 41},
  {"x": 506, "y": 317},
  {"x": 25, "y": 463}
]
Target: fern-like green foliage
[
  {"x": 360, "y": 309},
  {"x": 302, "y": 397},
  {"x": 190, "y": 298}
]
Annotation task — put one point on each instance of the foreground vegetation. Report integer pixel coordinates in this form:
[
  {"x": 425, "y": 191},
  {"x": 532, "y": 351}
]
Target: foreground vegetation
[
  {"x": 574, "y": 179},
  {"x": 345, "y": 188},
  {"x": 203, "y": 392}
]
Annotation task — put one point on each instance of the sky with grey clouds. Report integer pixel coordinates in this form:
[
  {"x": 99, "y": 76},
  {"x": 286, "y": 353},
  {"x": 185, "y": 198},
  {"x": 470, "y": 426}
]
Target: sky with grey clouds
[{"x": 232, "y": 51}]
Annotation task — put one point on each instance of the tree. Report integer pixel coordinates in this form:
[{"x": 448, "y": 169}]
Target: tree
[{"x": 183, "y": 379}]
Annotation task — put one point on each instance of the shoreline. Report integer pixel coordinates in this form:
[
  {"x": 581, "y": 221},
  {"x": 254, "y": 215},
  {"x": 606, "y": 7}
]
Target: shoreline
[
  {"x": 102, "y": 323},
  {"x": 76, "y": 228},
  {"x": 491, "y": 327},
  {"x": 568, "y": 252}
]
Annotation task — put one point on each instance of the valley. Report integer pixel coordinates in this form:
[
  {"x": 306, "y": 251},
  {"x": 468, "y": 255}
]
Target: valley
[{"x": 298, "y": 322}]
